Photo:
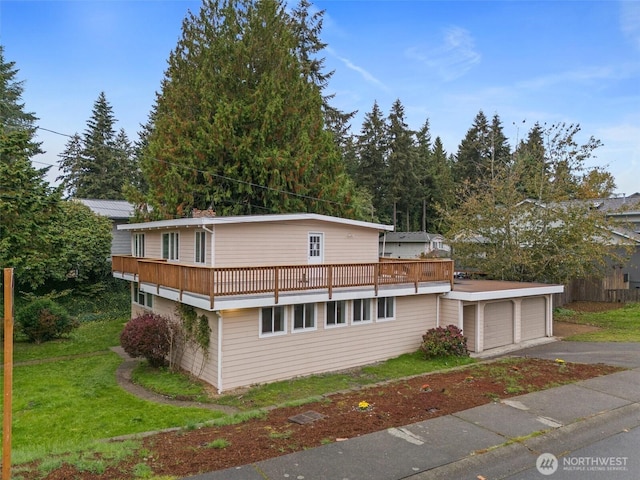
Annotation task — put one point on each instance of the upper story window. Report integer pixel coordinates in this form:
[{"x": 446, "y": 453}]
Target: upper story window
[
  {"x": 170, "y": 245},
  {"x": 361, "y": 311},
  {"x": 138, "y": 245},
  {"x": 336, "y": 314},
  {"x": 273, "y": 321},
  {"x": 200, "y": 247},
  {"x": 304, "y": 316},
  {"x": 386, "y": 308}
]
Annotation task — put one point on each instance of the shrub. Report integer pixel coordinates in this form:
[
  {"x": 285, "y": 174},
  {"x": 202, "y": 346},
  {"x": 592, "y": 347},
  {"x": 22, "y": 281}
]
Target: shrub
[
  {"x": 148, "y": 336},
  {"x": 444, "y": 341},
  {"x": 43, "y": 319}
]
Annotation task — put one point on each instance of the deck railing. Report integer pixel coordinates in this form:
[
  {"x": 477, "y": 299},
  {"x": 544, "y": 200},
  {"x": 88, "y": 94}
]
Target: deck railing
[{"x": 226, "y": 281}]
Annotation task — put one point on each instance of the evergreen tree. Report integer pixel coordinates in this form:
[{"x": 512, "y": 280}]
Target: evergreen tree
[
  {"x": 473, "y": 151},
  {"x": 444, "y": 191},
  {"x": 99, "y": 167},
  {"x": 239, "y": 122},
  {"x": 404, "y": 185},
  {"x": 372, "y": 152},
  {"x": 426, "y": 176}
]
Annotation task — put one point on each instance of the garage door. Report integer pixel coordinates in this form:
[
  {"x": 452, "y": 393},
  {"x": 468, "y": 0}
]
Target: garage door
[
  {"x": 498, "y": 324},
  {"x": 534, "y": 318},
  {"x": 469, "y": 326}
]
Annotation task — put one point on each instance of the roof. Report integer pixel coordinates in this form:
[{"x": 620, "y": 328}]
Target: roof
[
  {"x": 411, "y": 237},
  {"x": 474, "y": 290},
  {"x": 286, "y": 217},
  {"x": 115, "y": 209}
]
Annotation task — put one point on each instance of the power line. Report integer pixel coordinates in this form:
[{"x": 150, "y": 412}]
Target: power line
[{"x": 223, "y": 177}]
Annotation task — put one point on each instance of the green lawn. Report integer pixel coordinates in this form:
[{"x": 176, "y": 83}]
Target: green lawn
[{"x": 619, "y": 325}]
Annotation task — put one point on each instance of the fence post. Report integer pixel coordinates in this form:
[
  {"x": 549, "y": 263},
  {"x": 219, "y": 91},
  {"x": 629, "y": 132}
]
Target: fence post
[{"x": 8, "y": 374}]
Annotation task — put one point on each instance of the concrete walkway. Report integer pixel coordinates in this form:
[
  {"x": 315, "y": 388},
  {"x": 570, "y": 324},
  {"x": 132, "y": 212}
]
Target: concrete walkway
[{"x": 493, "y": 441}]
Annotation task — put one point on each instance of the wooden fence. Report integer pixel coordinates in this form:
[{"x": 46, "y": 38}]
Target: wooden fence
[{"x": 594, "y": 290}]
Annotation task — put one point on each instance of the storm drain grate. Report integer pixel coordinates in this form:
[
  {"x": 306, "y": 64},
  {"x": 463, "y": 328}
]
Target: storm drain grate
[{"x": 306, "y": 417}]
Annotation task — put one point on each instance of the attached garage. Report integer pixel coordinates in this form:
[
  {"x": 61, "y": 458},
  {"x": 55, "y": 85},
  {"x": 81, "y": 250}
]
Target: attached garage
[
  {"x": 533, "y": 318},
  {"x": 503, "y": 314},
  {"x": 498, "y": 324}
]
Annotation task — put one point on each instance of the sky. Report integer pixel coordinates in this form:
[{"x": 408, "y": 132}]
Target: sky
[{"x": 544, "y": 61}]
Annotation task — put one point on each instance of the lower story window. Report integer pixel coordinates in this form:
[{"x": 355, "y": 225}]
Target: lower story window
[
  {"x": 304, "y": 316},
  {"x": 272, "y": 321},
  {"x": 336, "y": 314},
  {"x": 142, "y": 298},
  {"x": 361, "y": 311},
  {"x": 386, "y": 308}
]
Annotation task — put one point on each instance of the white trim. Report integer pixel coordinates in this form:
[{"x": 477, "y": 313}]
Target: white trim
[
  {"x": 504, "y": 294},
  {"x": 196, "y": 250},
  {"x": 351, "y": 304},
  {"x": 386, "y": 319},
  {"x": 197, "y": 222}
]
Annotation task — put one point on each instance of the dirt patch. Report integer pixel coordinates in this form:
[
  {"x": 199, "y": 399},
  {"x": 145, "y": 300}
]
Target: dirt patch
[
  {"x": 566, "y": 329},
  {"x": 189, "y": 452},
  {"x": 592, "y": 306}
]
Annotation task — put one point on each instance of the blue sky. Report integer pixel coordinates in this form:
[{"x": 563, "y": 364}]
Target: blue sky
[{"x": 545, "y": 61}]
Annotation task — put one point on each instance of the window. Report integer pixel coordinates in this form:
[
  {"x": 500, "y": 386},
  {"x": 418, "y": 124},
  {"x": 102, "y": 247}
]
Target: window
[
  {"x": 315, "y": 248},
  {"x": 386, "y": 308},
  {"x": 304, "y": 316},
  {"x": 170, "y": 246},
  {"x": 201, "y": 241},
  {"x": 336, "y": 314},
  {"x": 142, "y": 298},
  {"x": 138, "y": 245},
  {"x": 272, "y": 321},
  {"x": 361, "y": 311}
]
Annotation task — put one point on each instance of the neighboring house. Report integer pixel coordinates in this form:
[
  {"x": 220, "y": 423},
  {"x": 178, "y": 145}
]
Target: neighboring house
[
  {"x": 119, "y": 212},
  {"x": 413, "y": 245},
  {"x": 296, "y": 294}
]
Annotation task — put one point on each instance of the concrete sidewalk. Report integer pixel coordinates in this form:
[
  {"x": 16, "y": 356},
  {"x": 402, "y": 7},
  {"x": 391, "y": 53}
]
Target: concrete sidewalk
[{"x": 492, "y": 441}]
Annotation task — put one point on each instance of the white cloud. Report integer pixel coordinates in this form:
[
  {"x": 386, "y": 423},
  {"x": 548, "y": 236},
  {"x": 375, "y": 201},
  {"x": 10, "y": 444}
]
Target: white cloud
[
  {"x": 452, "y": 58},
  {"x": 363, "y": 73},
  {"x": 574, "y": 76}
]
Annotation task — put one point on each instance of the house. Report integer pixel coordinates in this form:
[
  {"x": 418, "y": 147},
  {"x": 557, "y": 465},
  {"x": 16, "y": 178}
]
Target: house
[
  {"x": 296, "y": 294},
  {"x": 119, "y": 212},
  {"x": 413, "y": 245}
]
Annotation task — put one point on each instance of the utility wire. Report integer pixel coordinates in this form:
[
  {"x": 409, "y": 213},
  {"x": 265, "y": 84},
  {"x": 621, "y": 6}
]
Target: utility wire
[{"x": 223, "y": 177}]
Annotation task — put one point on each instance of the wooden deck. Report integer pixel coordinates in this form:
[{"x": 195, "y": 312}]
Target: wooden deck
[{"x": 215, "y": 282}]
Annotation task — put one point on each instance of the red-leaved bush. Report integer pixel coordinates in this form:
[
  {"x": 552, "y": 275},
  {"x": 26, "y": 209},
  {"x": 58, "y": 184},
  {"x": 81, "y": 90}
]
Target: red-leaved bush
[
  {"x": 443, "y": 342},
  {"x": 148, "y": 336}
]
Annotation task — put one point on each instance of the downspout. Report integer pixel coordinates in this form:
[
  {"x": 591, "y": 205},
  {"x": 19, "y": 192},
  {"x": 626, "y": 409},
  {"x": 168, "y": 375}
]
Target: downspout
[
  {"x": 219, "y": 381},
  {"x": 384, "y": 242}
]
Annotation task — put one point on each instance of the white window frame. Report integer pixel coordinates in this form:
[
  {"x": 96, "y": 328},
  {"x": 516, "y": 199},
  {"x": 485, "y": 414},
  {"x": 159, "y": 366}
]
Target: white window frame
[
  {"x": 137, "y": 295},
  {"x": 138, "y": 245},
  {"x": 173, "y": 246},
  {"x": 362, "y": 302},
  {"x": 336, "y": 311},
  {"x": 272, "y": 333},
  {"x": 387, "y": 302},
  {"x": 200, "y": 247},
  {"x": 304, "y": 327},
  {"x": 315, "y": 247}
]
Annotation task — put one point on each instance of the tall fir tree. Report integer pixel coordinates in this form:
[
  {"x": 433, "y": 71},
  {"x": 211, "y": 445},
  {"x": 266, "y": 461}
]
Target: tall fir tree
[
  {"x": 404, "y": 186},
  {"x": 102, "y": 166},
  {"x": 239, "y": 122},
  {"x": 372, "y": 153}
]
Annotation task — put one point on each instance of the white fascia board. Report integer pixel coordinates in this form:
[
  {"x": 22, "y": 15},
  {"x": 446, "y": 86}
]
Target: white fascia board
[
  {"x": 258, "y": 301},
  {"x": 504, "y": 294},
  {"x": 212, "y": 221}
]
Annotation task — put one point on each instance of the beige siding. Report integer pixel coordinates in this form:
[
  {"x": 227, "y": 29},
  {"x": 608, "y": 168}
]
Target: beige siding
[
  {"x": 186, "y": 244},
  {"x": 498, "y": 324},
  {"x": 286, "y": 243},
  {"x": 469, "y": 322},
  {"x": 248, "y": 359},
  {"x": 449, "y": 312},
  {"x": 533, "y": 318}
]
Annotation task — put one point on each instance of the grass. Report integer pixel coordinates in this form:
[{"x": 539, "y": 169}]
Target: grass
[
  {"x": 619, "y": 325},
  {"x": 170, "y": 384}
]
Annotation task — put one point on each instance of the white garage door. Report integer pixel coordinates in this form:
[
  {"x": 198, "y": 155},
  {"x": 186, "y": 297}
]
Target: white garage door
[
  {"x": 498, "y": 324},
  {"x": 534, "y": 318}
]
